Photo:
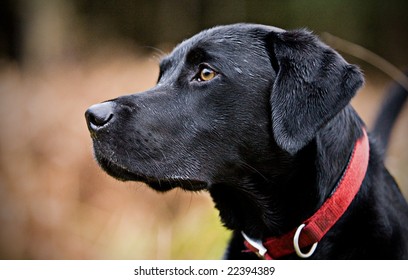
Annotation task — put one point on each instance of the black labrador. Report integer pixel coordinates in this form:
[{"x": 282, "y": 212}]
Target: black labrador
[{"x": 260, "y": 117}]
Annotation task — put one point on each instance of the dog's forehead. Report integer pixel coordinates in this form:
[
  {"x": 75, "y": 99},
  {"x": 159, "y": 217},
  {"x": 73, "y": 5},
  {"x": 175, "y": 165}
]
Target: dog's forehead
[
  {"x": 228, "y": 37},
  {"x": 233, "y": 32}
]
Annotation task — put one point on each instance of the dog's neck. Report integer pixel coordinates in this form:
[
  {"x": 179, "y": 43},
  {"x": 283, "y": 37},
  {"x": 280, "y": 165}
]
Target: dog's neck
[
  {"x": 334, "y": 144},
  {"x": 274, "y": 206}
]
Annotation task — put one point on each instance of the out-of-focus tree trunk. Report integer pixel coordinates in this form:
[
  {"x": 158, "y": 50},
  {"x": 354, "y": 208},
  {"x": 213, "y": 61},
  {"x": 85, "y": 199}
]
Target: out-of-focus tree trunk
[{"x": 46, "y": 30}]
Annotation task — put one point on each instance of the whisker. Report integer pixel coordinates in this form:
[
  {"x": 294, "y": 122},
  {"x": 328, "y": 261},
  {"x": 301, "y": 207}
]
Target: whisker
[{"x": 249, "y": 167}]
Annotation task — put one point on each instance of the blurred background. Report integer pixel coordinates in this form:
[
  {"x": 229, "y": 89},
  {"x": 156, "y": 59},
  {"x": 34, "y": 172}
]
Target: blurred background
[{"x": 58, "y": 57}]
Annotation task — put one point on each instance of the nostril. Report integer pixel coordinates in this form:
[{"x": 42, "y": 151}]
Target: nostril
[
  {"x": 98, "y": 119},
  {"x": 99, "y": 115}
]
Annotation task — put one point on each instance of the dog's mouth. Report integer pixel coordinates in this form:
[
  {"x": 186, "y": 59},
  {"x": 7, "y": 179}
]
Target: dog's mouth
[{"x": 159, "y": 184}]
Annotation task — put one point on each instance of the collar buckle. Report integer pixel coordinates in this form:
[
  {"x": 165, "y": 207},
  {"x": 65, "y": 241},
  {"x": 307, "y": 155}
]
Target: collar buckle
[{"x": 257, "y": 244}]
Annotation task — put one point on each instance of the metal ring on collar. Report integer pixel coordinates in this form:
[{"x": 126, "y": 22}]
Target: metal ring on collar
[{"x": 296, "y": 244}]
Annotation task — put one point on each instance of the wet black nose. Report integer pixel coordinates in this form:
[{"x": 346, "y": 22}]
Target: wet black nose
[{"x": 99, "y": 115}]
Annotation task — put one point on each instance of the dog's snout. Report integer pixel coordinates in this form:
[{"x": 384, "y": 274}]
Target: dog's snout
[{"x": 99, "y": 115}]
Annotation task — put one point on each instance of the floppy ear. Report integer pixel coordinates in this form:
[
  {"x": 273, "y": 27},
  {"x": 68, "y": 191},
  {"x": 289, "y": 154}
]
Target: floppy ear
[{"x": 313, "y": 84}]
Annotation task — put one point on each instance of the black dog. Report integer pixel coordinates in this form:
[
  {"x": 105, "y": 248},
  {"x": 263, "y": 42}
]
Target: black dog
[{"x": 260, "y": 117}]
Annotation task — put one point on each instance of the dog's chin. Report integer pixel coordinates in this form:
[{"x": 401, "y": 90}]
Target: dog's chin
[{"x": 158, "y": 184}]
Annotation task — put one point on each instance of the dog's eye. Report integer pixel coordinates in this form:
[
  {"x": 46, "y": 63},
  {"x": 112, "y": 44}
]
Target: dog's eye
[{"x": 206, "y": 74}]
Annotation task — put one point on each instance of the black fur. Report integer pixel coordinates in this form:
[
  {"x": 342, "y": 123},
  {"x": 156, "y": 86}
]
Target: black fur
[{"x": 268, "y": 137}]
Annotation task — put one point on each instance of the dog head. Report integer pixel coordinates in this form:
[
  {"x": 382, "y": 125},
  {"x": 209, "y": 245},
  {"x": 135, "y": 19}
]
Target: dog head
[{"x": 230, "y": 102}]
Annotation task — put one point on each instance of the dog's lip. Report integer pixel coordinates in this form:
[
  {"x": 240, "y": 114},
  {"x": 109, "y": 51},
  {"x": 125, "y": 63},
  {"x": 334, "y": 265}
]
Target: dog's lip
[
  {"x": 162, "y": 184},
  {"x": 117, "y": 171}
]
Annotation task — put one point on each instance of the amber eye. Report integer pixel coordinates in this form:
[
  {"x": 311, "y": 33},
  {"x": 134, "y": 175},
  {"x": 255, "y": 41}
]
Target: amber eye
[{"x": 206, "y": 74}]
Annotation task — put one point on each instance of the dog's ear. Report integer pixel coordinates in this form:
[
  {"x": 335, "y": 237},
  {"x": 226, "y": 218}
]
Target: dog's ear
[{"x": 313, "y": 83}]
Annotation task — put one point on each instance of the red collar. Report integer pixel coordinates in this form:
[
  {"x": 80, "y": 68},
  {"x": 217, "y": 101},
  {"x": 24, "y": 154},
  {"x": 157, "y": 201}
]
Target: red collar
[{"x": 311, "y": 231}]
